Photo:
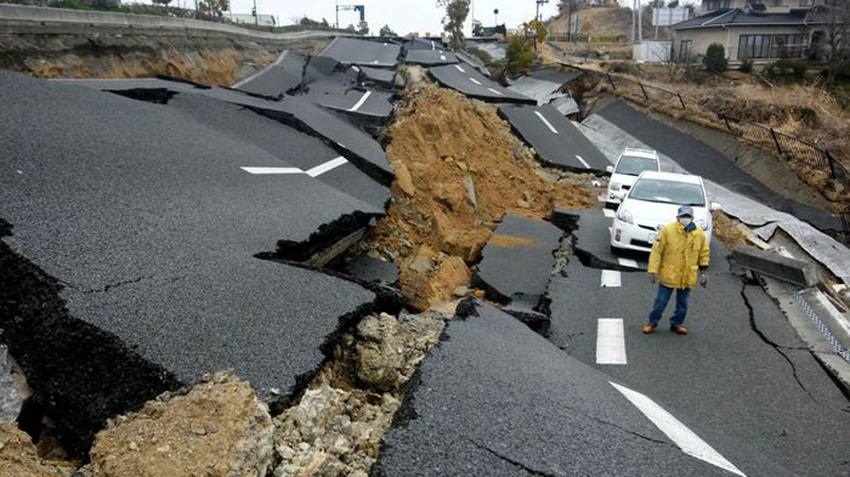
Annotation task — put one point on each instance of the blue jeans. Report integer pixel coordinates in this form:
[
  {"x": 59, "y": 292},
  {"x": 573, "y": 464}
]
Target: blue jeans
[{"x": 661, "y": 300}]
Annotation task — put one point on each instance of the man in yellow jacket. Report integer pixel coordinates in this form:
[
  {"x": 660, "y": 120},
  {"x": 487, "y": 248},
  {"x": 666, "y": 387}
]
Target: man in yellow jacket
[{"x": 680, "y": 255}]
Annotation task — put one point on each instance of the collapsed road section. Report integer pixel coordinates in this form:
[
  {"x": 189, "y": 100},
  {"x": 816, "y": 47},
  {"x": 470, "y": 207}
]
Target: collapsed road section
[{"x": 135, "y": 217}]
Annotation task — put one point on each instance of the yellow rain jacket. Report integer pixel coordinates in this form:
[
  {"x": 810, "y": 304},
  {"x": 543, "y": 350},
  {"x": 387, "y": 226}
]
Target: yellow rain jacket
[{"x": 677, "y": 256}]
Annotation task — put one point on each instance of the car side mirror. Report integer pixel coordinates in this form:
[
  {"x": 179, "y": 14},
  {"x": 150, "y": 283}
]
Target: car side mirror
[
  {"x": 610, "y": 169},
  {"x": 715, "y": 207}
]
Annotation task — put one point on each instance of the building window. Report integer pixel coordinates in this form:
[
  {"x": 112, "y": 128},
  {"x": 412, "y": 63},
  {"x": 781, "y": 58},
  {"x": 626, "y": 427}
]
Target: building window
[
  {"x": 716, "y": 4},
  {"x": 770, "y": 46}
]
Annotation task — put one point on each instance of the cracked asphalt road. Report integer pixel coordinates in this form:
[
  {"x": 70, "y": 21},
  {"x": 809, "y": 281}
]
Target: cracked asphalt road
[{"x": 742, "y": 379}]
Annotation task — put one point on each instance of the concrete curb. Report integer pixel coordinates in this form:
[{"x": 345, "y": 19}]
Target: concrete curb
[{"x": 777, "y": 266}]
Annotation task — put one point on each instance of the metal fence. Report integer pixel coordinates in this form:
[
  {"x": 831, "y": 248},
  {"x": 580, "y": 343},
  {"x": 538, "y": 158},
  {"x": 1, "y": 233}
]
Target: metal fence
[{"x": 820, "y": 163}]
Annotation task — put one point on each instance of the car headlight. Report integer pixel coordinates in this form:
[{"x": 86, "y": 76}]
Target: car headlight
[
  {"x": 625, "y": 216},
  {"x": 615, "y": 186},
  {"x": 702, "y": 223}
]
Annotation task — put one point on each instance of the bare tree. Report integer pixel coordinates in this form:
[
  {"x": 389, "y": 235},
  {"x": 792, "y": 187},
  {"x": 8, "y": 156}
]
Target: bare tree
[{"x": 835, "y": 15}]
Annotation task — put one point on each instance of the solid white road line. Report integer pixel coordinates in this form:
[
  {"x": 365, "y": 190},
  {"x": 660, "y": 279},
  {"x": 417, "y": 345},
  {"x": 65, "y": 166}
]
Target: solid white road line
[
  {"x": 546, "y": 122},
  {"x": 582, "y": 161},
  {"x": 322, "y": 168},
  {"x": 610, "y": 341},
  {"x": 611, "y": 279},
  {"x": 262, "y": 71},
  {"x": 360, "y": 101},
  {"x": 495, "y": 91},
  {"x": 609, "y": 213},
  {"x": 272, "y": 170},
  {"x": 475, "y": 81},
  {"x": 627, "y": 262},
  {"x": 683, "y": 437},
  {"x": 460, "y": 69}
]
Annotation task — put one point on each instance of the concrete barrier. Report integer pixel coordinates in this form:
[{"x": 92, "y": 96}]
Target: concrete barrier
[
  {"x": 30, "y": 19},
  {"x": 777, "y": 266}
]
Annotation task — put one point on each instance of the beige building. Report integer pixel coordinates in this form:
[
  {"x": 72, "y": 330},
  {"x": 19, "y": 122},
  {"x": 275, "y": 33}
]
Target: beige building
[{"x": 761, "y": 30}]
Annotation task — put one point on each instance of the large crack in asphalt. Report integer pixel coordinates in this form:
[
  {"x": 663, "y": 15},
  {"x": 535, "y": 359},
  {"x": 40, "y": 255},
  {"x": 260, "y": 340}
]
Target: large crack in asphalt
[
  {"x": 514, "y": 462},
  {"x": 779, "y": 348}
]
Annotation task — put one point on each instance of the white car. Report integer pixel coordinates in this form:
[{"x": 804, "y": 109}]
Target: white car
[
  {"x": 653, "y": 202},
  {"x": 624, "y": 174}
]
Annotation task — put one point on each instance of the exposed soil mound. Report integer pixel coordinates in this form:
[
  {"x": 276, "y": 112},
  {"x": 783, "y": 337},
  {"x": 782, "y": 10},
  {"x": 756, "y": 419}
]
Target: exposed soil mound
[
  {"x": 18, "y": 456},
  {"x": 458, "y": 170},
  {"x": 218, "y": 428}
]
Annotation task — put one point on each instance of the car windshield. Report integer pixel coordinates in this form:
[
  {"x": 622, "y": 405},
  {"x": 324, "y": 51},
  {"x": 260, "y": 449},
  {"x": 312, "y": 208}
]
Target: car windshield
[
  {"x": 633, "y": 166},
  {"x": 668, "y": 192}
]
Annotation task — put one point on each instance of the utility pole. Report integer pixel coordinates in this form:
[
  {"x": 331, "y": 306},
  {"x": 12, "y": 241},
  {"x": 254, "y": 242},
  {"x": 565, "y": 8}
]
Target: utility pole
[
  {"x": 256, "y": 15},
  {"x": 639, "y": 22},
  {"x": 336, "y": 4},
  {"x": 496, "y": 17}
]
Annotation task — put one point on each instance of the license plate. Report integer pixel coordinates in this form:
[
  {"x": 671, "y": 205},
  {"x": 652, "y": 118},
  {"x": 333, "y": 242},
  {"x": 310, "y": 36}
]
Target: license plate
[{"x": 652, "y": 237}]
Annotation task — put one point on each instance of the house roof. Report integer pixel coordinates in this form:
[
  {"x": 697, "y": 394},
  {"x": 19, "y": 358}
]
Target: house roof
[{"x": 739, "y": 17}]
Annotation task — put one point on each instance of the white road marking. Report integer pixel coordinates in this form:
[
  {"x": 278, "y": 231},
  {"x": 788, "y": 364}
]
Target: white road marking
[
  {"x": 432, "y": 44},
  {"x": 443, "y": 57},
  {"x": 360, "y": 101},
  {"x": 322, "y": 168},
  {"x": 610, "y": 341},
  {"x": 494, "y": 91},
  {"x": 375, "y": 62},
  {"x": 276, "y": 62},
  {"x": 546, "y": 122},
  {"x": 355, "y": 68},
  {"x": 460, "y": 69},
  {"x": 475, "y": 81},
  {"x": 611, "y": 279},
  {"x": 683, "y": 437},
  {"x": 582, "y": 161},
  {"x": 272, "y": 170},
  {"x": 609, "y": 213},
  {"x": 627, "y": 262}
]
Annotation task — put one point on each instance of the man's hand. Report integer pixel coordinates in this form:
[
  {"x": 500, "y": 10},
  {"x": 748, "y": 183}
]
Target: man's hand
[
  {"x": 652, "y": 278},
  {"x": 703, "y": 280}
]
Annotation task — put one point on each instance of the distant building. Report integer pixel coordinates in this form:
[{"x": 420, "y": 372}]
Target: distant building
[
  {"x": 760, "y": 30},
  {"x": 247, "y": 18}
]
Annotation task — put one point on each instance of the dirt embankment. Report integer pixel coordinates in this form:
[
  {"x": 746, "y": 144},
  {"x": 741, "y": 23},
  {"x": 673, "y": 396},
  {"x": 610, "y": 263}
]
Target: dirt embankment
[
  {"x": 459, "y": 169},
  {"x": 212, "y": 61}
]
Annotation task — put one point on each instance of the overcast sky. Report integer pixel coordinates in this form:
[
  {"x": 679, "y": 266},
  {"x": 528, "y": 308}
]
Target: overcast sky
[{"x": 403, "y": 16}]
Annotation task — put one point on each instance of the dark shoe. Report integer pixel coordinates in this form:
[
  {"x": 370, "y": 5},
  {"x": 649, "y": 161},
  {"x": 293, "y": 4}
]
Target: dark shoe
[
  {"x": 648, "y": 328},
  {"x": 679, "y": 330}
]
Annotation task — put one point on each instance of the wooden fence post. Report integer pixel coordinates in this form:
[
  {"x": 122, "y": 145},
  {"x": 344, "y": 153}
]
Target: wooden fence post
[
  {"x": 644, "y": 90},
  {"x": 776, "y": 141}
]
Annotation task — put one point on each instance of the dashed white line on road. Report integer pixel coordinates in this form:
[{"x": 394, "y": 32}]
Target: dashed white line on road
[
  {"x": 360, "y": 101},
  {"x": 683, "y": 437},
  {"x": 355, "y": 68},
  {"x": 322, "y": 168},
  {"x": 546, "y": 122},
  {"x": 272, "y": 170},
  {"x": 475, "y": 81},
  {"x": 494, "y": 91},
  {"x": 611, "y": 279},
  {"x": 582, "y": 161},
  {"x": 443, "y": 57},
  {"x": 609, "y": 213},
  {"x": 610, "y": 341},
  {"x": 627, "y": 262},
  {"x": 460, "y": 69},
  {"x": 432, "y": 44}
]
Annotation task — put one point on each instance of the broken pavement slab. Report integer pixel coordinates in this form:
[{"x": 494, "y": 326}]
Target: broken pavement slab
[
  {"x": 140, "y": 255},
  {"x": 773, "y": 264},
  {"x": 471, "y": 83},
  {"x": 516, "y": 265},
  {"x": 591, "y": 230},
  {"x": 430, "y": 57},
  {"x": 557, "y": 141},
  {"x": 282, "y": 75},
  {"x": 475, "y": 405},
  {"x": 352, "y": 51}
]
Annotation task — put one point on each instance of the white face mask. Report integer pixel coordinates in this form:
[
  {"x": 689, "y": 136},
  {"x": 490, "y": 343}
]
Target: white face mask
[{"x": 685, "y": 221}]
